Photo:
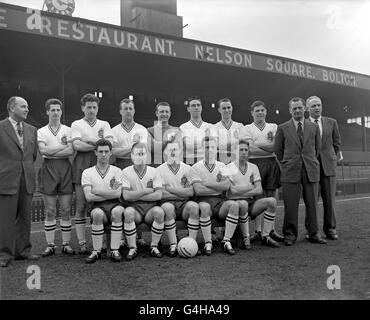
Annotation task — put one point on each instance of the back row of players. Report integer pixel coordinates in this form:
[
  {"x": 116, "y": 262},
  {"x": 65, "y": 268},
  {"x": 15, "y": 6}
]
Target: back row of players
[{"x": 223, "y": 182}]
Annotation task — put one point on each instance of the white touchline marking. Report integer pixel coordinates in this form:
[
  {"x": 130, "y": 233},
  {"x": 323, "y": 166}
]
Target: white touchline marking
[{"x": 301, "y": 204}]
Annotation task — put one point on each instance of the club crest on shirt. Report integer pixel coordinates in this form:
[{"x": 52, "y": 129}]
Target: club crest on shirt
[
  {"x": 236, "y": 134},
  {"x": 63, "y": 140},
  {"x": 270, "y": 136},
  {"x": 184, "y": 182},
  {"x": 114, "y": 183},
  {"x": 220, "y": 177},
  {"x": 101, "y": 133},
  {"x": 251, "y": 179},
  {"x": 149, "y": 184}
]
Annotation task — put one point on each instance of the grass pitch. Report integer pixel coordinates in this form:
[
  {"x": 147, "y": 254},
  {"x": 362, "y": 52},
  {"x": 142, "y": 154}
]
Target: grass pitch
[{"x": 298, "y": 272}]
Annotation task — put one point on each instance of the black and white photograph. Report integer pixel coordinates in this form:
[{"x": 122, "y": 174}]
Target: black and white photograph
[{"x": 184, "y": 155}]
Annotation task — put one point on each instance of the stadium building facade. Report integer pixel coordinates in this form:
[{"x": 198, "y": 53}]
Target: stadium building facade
[{"x": 44, "y": 55}]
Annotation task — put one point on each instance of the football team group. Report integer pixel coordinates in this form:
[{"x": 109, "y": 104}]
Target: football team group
[{"x": 128, "y": 175}]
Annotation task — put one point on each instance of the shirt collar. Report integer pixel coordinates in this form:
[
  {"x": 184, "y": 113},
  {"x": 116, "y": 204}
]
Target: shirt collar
[
  {"x": 296, "y": 122},
  {"x": 14, "y": 123},
  {"x": 313, "y": 119}
]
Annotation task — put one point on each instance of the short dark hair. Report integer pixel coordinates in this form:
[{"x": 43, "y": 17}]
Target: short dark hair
[
  {"x": 222, "y": 100},
  {"x": 51, "y": 101},
  {"x": 11, "y": 102},
  {"x": 296, "y": 99},
  {"x": 257, "y": 103},
  {"x": 162, "y": 103},
  {"x": 187, "y": 102},
  {"x": 103, "y": 143},
  {"x": 126, "y": 100},
  {"x": 89, "y": 97},
  {"x": 243, "y": 141},
  {"x": 139, "y": 145}
]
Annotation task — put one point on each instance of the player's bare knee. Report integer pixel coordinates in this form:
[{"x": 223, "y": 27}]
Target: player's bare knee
[
  {"x": 65, "y": 213},
  {"x": 234, "y": 208},
  {"x": 243, "y": 207},
  {"x": 158, "y": 215},
  {"x": 168, "y": 208},
  {"x": 97, "y": 216},
  {"x": 80, "y": 210},
  {"x": 50, "y": 213},
  {"x": 193, "y": 208},
  {"x": 129, "y": 215},
  {"x": 169, "y": 215},
  {"x": 117, "y": 214},
  {"x": 271, "y": 203},
  {"x": 205, "y": 209}
]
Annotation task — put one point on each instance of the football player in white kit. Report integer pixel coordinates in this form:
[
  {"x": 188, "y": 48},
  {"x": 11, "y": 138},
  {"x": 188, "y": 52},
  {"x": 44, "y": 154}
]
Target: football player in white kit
[
  {"x": 194, "y": 131},
  {"x": 55, "y": 176},
  {"x": 102, "y": 187},
  {"x": 177, "y": 192},
  {"x": 127, "y": 133},
  {"x": 210, "y": 184},
  {"x": 85, "y": 133},
  {"x": 261, "y": 136},
  {"x": 246, "y": 189},
  {"x": 228, "y": 132},
  {"x": 142, "y": 189}
]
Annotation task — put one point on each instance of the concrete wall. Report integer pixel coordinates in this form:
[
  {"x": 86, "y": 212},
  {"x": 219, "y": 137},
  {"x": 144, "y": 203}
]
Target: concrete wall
[{"x": 155, "y": 16}]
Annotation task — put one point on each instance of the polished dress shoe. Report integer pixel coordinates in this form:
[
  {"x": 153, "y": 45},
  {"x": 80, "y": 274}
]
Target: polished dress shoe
[
  {"x": 31, "y": 257},
  {"x": 316, "y": 239},
  {"x": 4, "y": 263},
  {"x": 332, "y": 236}
]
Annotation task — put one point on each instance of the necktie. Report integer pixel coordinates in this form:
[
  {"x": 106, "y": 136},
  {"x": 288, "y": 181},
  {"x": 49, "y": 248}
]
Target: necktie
[
  {"x": 317, "y": 122},
  {"x": 300, "y": 132},
  {"x": 20, "y": 134}
]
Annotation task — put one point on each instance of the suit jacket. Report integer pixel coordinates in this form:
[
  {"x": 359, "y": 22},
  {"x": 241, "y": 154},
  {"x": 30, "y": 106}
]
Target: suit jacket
[
  {"x": 292, "y": 155},
  {"x": 330, "y": 145},
  {"x": 13, "y": 159}
]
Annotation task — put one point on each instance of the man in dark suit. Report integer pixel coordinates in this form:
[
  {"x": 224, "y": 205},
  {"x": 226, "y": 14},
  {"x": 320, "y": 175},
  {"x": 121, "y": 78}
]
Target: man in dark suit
[
  {"x": 328, "y": 157},
  {"x": 297, "y": 145},
  {"x": 18, "y": 151}
]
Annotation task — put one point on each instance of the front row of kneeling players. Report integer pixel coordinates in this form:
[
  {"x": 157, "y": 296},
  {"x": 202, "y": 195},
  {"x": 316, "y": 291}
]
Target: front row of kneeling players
[{"x": 160, "y": 196}]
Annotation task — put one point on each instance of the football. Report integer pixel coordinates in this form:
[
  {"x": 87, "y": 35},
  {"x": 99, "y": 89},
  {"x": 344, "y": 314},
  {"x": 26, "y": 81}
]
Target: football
[{"x": 187, "y": 247}]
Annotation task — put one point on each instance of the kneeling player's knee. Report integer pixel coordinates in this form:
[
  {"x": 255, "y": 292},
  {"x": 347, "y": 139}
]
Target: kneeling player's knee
[
  {"x": 117, "y": 214},
  {"x": 97, "y": 216},
  {"x": 129, "y": 215}
]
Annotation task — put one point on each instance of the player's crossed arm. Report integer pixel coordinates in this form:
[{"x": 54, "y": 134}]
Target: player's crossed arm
[
  {"x": 246, "y": 191},
  {"x": 50, "y": 151}
]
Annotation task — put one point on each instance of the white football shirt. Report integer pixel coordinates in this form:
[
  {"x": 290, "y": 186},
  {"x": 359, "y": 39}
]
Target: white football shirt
[
  {"x": 201, "y": 172},
  {"x": 52, "y": 138},
  {"x": 228, "y": 138},
  {"x": 193, "y": 135},
  {"x": 109, "y": 180},
  {"x": 255, "y": 134},
  {"x": 240, "y": 178},
  {"x": 134, "y": 181},
  {"x": 180, "y": 177},
  {"x": 84, "y": 129}
]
